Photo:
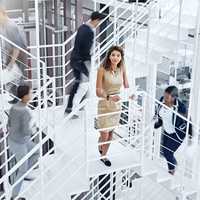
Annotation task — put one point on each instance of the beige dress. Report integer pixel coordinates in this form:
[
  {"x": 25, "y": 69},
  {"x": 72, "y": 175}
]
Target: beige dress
[{"x": 111, "y": 85}]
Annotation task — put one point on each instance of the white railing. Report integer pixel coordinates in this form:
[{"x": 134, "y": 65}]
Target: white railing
[
  {"x": 58, "y": 175},
  {"x": 44, "y": 125},
  {"x": 64, "y": 63},
  {"x": 187, "y": 155},
  {"x": 134, "y": 140},
  {"x": 141, "y": 121},
  {"x": 67, "y": 48},
  {"x": 60, "y": 53}
]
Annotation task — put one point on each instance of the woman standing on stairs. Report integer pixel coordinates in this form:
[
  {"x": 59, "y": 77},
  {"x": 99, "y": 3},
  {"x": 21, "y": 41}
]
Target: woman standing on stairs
[{"x": 110, "y": 78}]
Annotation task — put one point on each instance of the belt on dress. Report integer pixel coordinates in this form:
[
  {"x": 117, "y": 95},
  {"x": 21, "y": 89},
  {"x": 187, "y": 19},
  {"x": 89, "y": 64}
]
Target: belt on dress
[{"x": 113, "y": 94}]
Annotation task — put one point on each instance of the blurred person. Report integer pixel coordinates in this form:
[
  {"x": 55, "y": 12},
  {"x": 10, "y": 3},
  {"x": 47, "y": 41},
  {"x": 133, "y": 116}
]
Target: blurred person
[
  {"x": 14, "y": 60},
  {"x": 80, "y": 60},
  {"x": 20, "y": 129},
  {"x": 174, "y": 127},
  {"x": 110, "y": 78}
]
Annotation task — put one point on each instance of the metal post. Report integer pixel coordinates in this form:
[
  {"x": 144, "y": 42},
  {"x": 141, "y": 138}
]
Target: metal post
[
  {"x": 78, "y": 13},
  {"x": 68, "y": 32},
  {"x": 194, "y": 103},
  {"x": 6, "y": 180},
  {"x": 147, "y": 51},
  {"x": 58, "y": 40},
  {"x": 39, "y": 88},
  {"x": 49, "y": 40},
  {"x": 144, "y": 102},
  {"x": 95, "y": 5},
  {"x": 54, "y": 115},
  {"x": 67, "y": 18},
  {"x": 111, "y": 185},
  {"x": 42, "y": 28},
  {"x": 42, "y": 51},
  {"x": 64, "y": 72},
  {"x": 134, "y": 38},
  {"x": 178, "y": 39},
  {"x": 25, "y": 11},
  {"x": 151, "y": 81},
  {"x": 102, "y": 28},
  {"x": 115, "y": 36},
  {"x": 86, "y": 133}
]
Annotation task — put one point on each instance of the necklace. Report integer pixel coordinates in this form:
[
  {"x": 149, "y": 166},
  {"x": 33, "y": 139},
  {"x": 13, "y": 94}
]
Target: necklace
[{"x": 114, "y": 72}]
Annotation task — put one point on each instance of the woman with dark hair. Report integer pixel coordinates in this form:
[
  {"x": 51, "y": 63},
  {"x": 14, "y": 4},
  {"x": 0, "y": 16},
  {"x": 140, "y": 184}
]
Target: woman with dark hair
[
  {"x": 174, "y": 127},
  {"x": 110, "y": 78},
  {"x": 20, "y": 132}
]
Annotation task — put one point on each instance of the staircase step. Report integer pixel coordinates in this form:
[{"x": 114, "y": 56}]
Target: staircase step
[
  {"x": 70, "y": 179},
  {"x": 145, "y": 187},
  {"x": 163, "y": 176},
  {"x": 128, "y": 159},
  {"x": 69, "y": 170},
  {"x": 149, "y": 169},
  {"x": 190, "y": 187}
]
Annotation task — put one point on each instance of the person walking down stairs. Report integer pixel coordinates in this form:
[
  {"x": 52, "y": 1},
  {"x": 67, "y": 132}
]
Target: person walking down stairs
[{"x": 80, "y": 60}]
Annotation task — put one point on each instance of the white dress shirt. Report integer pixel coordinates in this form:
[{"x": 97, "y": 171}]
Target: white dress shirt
[{"x": 166, "y": 116}]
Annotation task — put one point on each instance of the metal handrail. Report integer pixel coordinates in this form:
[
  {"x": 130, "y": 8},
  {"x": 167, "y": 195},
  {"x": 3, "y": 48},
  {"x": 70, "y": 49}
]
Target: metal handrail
[
  {"x": 130, "y": 25},
  {"x": 85, "y": 102},
  {"x": 18, "y": 47}
]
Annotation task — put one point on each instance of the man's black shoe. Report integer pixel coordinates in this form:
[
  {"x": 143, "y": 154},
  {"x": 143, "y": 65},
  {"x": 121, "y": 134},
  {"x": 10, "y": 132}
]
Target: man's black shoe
[{"x": 68, "y": 110}]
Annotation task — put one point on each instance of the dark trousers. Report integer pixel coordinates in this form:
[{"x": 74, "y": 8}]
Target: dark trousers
[
  {"x": 105, "y": 186},
  {"x": 170, "y": 144},
  {"x": 77, "y": 76}
]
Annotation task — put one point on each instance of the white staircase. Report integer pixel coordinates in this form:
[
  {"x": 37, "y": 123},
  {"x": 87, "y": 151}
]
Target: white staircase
[{"x": 71, "y": 169}]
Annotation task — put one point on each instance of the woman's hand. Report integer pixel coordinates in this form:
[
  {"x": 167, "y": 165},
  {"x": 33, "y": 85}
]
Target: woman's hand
[
  {"x": 114, "y": 98},
  {"x": 132, "y": 97}
]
